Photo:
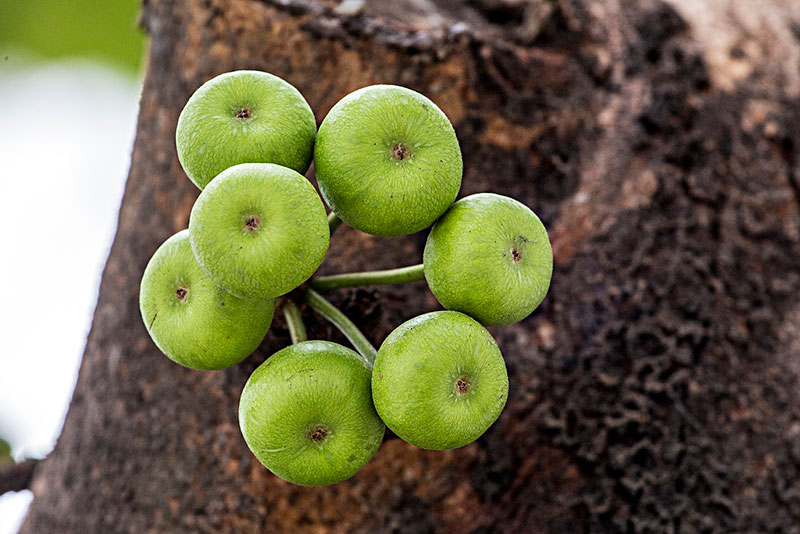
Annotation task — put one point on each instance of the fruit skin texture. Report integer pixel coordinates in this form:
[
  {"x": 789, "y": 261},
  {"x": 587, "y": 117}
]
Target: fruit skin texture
[
  {"x": 489, "y": 257},
  {"x": 208, "y": 328},
  {"x": 416, "y": 374},
  {"x": 299, "y": 390},
  {"x": 287, "y": 244},
  {"x": 244, "y": 116},
  {"x": 358, "y": 170}
]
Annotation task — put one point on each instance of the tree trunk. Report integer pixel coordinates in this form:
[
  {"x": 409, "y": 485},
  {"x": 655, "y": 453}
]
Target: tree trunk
[{"x": 655, "y": 390}]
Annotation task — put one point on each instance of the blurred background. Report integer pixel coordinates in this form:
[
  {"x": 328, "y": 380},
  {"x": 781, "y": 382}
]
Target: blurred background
[{"x": 70, "y": 77}]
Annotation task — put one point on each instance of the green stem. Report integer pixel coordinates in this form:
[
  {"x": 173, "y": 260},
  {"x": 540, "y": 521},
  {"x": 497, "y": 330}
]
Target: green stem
[
  {"x": 334, "y": 222},
  {"x": 345, "y": 325},
  {"x": 297, "y": 331},
  {"x": 369, "y": 278}
]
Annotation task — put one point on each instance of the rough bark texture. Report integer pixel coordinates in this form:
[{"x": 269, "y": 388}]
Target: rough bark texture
[{"x": 655, "y": 391}]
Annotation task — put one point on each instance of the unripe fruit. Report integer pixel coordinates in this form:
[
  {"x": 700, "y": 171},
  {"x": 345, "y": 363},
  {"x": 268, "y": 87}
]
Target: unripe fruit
[
  {"x": 387, "y": 160},
  {"x": 307, "y": 413},
  {"x": 489, "y": 257},
  {"x": 194, "y": 322},
  {"x": 439, "y": 380},
  {"x": 244, "y": 116},
  {"x": 259, "y": 230}
]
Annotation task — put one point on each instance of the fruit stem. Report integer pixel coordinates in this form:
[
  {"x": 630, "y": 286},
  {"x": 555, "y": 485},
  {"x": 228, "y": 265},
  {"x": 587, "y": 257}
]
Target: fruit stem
[
  {"x": 297, "y": 330},
  {"x": 334, "y": 222},
  {"x": 369, "y": 278},
  {"x": 341, "y": 322}
]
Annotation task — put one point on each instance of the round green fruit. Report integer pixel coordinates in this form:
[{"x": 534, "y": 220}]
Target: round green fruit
[
  {"x": 387, "y": 160},
  {"x": 439, "y": 380},
  {"x": 259, "y": 230},
  {"x": 489, "y": 257},
  {"x": 307, "y": 413},
  {"x": 245, "y": 116},
  {"x": 194, "y": 322}
]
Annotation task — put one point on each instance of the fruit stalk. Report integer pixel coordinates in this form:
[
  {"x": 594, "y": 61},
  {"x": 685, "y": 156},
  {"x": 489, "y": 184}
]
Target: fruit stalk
[
  {"x": 401, "y": 275},
  {"x": 341, "y": 322},
  {"x": 297, "y": 330},
  {"x": 334, "y": 222}
]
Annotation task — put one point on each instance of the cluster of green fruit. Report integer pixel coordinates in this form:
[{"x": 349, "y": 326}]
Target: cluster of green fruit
[{"x": 388, "y": 163}]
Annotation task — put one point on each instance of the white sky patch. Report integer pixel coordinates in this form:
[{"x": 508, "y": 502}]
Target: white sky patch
[
  {"x": 66, "y": 132},
  {"x": 13, "y": 507}
]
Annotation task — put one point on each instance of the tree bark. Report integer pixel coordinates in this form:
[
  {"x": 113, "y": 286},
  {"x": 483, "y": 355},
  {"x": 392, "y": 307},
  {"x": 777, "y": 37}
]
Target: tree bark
[{"x": 655, "y": 390}]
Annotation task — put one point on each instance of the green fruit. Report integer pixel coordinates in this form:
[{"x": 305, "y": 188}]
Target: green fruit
[
  {"x": 489, "y": 257},
  {"x": 5, "y": 453},
  {"x": 439, "y": 380},
  {"x": 387, "y": 160},
  {"x": 245, "y": 116},
  {"x": 259, "y": 230},
  {"x": 192, "y": 321},
  {"x": 307, "y": 413}
]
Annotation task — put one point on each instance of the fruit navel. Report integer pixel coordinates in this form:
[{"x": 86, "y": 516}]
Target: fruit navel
[
  {"x": 181, "y": 293},
  {"x": 400, "y": 152},
  {"x": 318, "y": 434},
  {"x": 251, "y": 223},
  {"x": 462, "y": 386}
]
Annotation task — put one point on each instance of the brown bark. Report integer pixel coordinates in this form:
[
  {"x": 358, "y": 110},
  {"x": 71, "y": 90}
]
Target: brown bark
[{"x": 656, "y": 390}]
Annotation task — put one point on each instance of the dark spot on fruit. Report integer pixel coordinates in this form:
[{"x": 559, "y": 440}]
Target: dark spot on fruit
[
  {"x": 440, "y": 161},
  {"x": 525, "y": 239},
  {"x": 153, "y": 321},
  {"x": 462, "y": 385},
  {"x": 291, "y": 376},
  {"x": 400, "y": 152},
  {"x": 222, "y": 304},
  {"x": 244, "y": 114},
  {"x": 251, "y": 223},
  {"x": 239, "y": 271},
  {"x": 516, "y": 255},
  {"x": 181, "y": 293},
  {"x": 380, "y": 376},
  {"x": 424, "y": 105},
  {"x": 318, "y": 434}
]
